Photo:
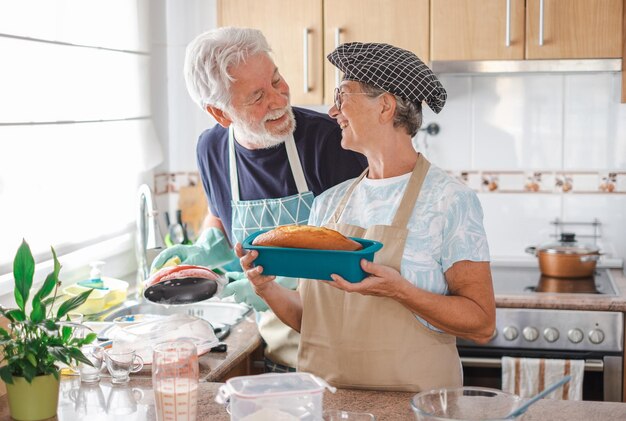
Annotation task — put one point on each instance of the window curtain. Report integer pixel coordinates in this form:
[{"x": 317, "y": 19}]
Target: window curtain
[{"x": 76, "y": 135}]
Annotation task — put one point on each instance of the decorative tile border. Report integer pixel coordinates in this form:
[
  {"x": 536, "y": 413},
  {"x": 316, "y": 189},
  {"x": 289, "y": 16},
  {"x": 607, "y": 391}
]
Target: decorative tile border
[
  {"x": 568, "y": 182},
  {"x": 540, "y": 182}
]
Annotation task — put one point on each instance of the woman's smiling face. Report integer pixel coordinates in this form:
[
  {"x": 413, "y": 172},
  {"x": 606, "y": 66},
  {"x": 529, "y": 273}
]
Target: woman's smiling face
[{"x": 357, "y": 116}]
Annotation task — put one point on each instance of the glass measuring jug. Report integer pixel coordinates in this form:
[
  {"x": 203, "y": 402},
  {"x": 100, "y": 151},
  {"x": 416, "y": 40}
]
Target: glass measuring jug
[{"x": 175, "y": 380}]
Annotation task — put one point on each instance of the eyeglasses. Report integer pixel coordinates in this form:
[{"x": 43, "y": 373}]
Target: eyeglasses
[{"x": 338, "y": 99}]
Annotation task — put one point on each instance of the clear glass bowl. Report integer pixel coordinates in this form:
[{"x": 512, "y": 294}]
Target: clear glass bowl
[{"x": 464, "y": 403}]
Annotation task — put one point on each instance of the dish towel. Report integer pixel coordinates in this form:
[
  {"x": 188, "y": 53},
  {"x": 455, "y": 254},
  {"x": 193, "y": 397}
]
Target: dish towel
[{"x": 526, "y": 377}]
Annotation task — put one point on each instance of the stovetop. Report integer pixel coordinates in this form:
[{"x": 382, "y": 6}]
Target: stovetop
[
  {"x": 529, "y": 281},
  {"x": 551, "y": 329}
]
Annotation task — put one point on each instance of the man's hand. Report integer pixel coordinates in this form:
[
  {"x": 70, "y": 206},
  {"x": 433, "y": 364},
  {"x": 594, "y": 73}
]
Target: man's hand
[{"x": 211, "y": 250}]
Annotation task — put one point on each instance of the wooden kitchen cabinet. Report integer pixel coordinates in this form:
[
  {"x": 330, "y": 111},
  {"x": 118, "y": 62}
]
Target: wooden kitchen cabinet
[
  {"x": 293, "y": 29},
  {"x": 477, "y": 30},
  {"x": 572, "y": 29},
  {"x": 404, "y": 23}
]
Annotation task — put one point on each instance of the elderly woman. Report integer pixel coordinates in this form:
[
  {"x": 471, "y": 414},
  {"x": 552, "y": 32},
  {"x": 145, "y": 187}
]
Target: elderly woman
[{"x": 431, "y": 282}]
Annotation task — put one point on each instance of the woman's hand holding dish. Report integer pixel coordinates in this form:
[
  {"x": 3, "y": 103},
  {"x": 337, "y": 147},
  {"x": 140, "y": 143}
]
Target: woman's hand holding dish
[{"x": 384, "y": 281}]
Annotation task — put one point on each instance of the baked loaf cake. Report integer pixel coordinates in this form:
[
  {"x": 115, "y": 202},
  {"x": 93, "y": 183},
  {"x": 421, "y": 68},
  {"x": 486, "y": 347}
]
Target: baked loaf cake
[{"x": 306, "y": 237}]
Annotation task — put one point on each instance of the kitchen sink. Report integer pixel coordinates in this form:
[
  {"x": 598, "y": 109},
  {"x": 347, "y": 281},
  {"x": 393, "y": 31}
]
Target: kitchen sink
[{"x": 213, "y": 311}]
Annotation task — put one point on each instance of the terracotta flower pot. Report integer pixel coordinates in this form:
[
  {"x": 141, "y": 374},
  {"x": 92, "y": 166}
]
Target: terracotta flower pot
[{"x": 33, "y": 401}]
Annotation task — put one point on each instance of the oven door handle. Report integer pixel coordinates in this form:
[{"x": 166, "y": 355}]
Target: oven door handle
[{"x": 590, "y": 365}]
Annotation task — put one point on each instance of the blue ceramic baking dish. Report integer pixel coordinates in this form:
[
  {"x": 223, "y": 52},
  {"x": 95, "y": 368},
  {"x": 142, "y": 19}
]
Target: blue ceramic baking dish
[{"x": 313, "y": 264}]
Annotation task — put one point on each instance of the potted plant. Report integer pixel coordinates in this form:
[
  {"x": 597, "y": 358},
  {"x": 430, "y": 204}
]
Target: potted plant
[{"x": 37, "y": 341}]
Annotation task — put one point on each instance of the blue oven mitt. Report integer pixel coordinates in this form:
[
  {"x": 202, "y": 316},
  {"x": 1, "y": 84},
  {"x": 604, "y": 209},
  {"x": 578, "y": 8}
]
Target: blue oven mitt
[
  {"x": 241, "y": 289},
  {"x": 211, "y": 250}
]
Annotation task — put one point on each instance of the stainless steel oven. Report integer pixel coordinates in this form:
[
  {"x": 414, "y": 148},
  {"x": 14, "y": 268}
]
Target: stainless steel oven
[{"x": 593, "y": 336}]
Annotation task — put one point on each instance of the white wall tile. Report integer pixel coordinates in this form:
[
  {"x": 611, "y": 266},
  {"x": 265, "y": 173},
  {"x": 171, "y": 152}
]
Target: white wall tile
[
  {"x": 588, "y": 121},
  {"x": 610, "y": 209},
  {"x": 617, "y": 131},
  {"x": 516, "y": 221},
  {"x": 517, "y": 121},
  {"x": 451, "y": 149}
]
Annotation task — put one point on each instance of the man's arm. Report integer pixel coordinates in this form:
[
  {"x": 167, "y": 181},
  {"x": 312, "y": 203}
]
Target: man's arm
[{"x": 211, "y": 221}]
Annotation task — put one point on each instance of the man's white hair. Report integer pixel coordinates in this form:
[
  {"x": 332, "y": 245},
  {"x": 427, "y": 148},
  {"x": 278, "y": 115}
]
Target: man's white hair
[{"x": 208, "y": 58}]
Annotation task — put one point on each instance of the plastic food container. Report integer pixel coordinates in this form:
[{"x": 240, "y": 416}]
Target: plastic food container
[
  {"x": 100, "y": 299},
  {"x": 313, "y": 264},
  {"x": 465, "y": 403},
  {"x": 275, "y": 396}
]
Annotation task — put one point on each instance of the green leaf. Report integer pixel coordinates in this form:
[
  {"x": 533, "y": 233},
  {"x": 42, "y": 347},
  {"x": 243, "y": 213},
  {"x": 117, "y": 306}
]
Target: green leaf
[
  {"x": 5, "y": 374},
  {"x": 59, "y": 353},
  {"x": 48, "y": 301},
  {"x": 29, "y": 372},
  {"x": 32, "y": 359},
  {"x": 4, "y": 333},
  {"x": 73, "y": 303},
  {"x": 23, "y": 271},
  {"x": 16, "y": 315},
  {"x": 51, "y": 325},
  {"x": 88, "y": 339},
  {"x": 38, "y": 313},
  {"x": 66, "y": 333},
  {"x": 77, "y": 355},
  {"x": 51, "y": 279}
]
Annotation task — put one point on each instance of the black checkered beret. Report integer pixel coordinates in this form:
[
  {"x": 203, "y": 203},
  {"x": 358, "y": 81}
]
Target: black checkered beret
[{"x": 391, "y": 69}]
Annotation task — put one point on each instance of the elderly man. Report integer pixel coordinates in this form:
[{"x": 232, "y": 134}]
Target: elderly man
[{"x": 261, "y": 166}]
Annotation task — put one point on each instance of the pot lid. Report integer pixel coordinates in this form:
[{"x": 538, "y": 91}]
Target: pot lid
[{"x": 568, "y": 245}]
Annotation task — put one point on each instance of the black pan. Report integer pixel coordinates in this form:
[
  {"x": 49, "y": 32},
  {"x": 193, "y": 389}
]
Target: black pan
[{"x": 181, "y": 291}]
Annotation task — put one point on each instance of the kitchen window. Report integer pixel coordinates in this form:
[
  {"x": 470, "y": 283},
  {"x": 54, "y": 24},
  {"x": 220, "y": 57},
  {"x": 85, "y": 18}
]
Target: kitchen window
[{"x": 76, "y": 134}]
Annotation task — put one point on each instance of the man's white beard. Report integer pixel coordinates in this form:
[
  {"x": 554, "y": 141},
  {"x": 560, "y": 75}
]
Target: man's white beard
[{"x": 258, "y": 136}]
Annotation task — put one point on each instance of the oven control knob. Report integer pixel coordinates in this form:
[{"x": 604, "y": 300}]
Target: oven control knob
[
  {"x": 530, "y": 333},
  {"x": 510, "y": 333},
  {"x": 575, "y": 335},
  {"x": 551, "y": 334},
  {"x": 596, "y": 336}
]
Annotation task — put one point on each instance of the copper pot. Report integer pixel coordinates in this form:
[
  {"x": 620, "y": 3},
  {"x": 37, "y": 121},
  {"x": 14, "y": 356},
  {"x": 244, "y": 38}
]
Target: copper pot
[
  {"x": 562, "y": 285},
  {"x": 566, "y": 258}
]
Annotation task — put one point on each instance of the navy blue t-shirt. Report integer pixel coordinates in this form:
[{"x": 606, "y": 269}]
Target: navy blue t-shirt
[{"x": 265, "y": 173}]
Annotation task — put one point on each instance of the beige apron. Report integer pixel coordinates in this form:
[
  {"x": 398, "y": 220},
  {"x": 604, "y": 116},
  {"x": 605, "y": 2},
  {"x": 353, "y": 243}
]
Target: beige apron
[{"x": 365, "y": 342}]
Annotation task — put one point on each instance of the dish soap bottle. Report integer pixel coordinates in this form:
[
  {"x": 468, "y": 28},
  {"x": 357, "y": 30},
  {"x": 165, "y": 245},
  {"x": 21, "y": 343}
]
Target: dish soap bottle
[{"x": 95, "y": 276}]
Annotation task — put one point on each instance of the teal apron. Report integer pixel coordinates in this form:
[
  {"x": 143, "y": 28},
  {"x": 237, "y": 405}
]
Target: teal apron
[{"x": 250, "y": 216}]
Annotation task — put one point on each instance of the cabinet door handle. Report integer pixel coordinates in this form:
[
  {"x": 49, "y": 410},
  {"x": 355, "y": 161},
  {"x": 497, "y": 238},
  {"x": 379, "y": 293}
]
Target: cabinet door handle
[
  {"x": 337, "y": 42},
  {"x": 507, "y": 39},
  {"x": 541, "y": 22},
  {"x": 305, "y": 45}
]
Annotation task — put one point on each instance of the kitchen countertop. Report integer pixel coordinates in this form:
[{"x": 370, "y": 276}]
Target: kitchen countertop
[
  {"x": 136, "y": 402},
  {"x": 113, "y": 401},
  {"x": 564, "y": 301}
]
